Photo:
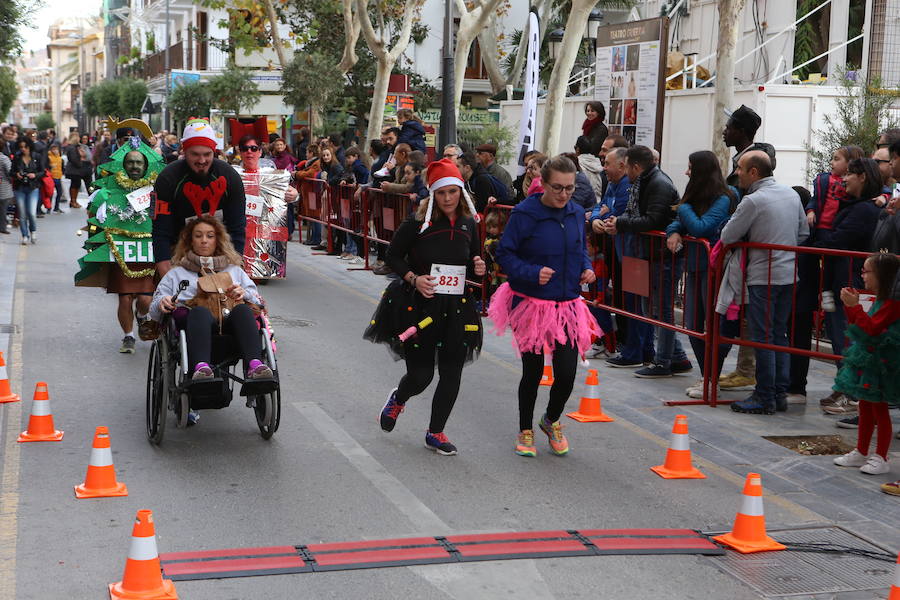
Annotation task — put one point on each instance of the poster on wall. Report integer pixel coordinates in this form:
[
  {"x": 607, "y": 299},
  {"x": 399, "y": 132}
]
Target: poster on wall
[{"x": 631, "y": 59}]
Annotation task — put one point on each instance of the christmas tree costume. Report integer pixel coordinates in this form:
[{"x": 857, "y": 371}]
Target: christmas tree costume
[
  {"x": 119, "y": 247},
  {"x": 869, "y": 371}
]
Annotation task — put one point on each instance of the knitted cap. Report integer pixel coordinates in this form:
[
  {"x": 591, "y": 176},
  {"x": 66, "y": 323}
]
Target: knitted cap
[
  {"x": 443, "y": 173},
  {"x": 198, "y": 132}
]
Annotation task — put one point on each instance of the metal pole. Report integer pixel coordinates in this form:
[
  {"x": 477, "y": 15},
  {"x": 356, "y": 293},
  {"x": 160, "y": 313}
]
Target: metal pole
[
  {"x": 165, "y": 111},
  {"x": 447, "y": 133}
]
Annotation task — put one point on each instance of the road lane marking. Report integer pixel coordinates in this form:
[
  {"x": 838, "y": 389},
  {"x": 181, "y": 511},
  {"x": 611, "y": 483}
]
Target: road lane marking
[
  {"x": 518, "y": 578},
  {"x": 738, "y": 480}
]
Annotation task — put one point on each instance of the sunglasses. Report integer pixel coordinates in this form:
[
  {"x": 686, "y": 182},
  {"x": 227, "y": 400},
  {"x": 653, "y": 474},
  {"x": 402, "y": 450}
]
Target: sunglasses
[
  {"x": 881, "y": 161},
  {"x": 249, "y": 148}
]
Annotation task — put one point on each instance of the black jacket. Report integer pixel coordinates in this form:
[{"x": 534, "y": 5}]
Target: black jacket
[
  {"x": 21, "y": 169},
  {"x": 442, "y": 243},
  {"x": 334, "y": 173},
  {"x": 181, "y": 194},
  {"x": 413, "y": 133},
  {"x": 480, "y": 187},
  {"x": 852, "y": 228},
  {"x": 887, "y": 233},
  {"x": 657, "y": 196}
]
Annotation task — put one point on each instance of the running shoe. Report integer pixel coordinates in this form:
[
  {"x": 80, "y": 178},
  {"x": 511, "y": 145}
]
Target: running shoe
[
  {"x": 127, "y": 346},
  {"x": 844, "y": 406},
  {"x": 875, "y": 465},
  {"x": 681, "y": 366},
  {"x": 854, "y": 458},
  {"x": 259, "y": 370},
  {"x": 653, "y": 372},
  {"x": 439, "y": 443},
  {"x": 202, "y": 371},
  {"x": 34, "y": 237},
  {"x": 525, "y": 443},
  {"x": 831, "y": 399},
  {"x": 795, "y": 398},
  {"x": 848, "y": 423},
  {"x": 391, "y": 411},
  {"x": 892, "y": 488},
  {"x": 753, "y": 406},
  {"x": 623, "y": 363},
  {"x": 735, "y": 381},
  {"x": 558, "y": 442}
]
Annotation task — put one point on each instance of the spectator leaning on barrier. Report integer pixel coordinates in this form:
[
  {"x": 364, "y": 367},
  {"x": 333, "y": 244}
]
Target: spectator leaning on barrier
[
  {"x": 887, "y": 230},
  {"x": 590, "y": 165},
  {"x": 612, "y": 141},
  {"x": 770, "y": 213},
  {"x": 704, "y": 210},
  {"x": 487, "y": 155},
  {"x": 649, "y": 208},
  {"x": 354, "y": 164}
]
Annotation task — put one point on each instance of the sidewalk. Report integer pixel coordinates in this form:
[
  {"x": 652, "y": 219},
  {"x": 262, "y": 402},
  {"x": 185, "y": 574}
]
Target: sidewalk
[{"x": 731, "y": 441}]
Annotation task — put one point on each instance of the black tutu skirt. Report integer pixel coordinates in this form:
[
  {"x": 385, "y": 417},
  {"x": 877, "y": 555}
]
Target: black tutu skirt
[{"x": 454, "y": 321}]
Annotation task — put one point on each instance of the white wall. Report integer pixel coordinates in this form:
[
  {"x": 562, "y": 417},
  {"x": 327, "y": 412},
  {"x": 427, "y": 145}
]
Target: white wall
[{"x": 790, "y": 114}]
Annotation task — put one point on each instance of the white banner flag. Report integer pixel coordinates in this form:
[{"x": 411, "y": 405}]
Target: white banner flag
[{"x": 527, "y": 125}]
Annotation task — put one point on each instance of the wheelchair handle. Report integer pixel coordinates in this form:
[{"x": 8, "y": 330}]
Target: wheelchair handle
[{"x": 182, "y": 285}]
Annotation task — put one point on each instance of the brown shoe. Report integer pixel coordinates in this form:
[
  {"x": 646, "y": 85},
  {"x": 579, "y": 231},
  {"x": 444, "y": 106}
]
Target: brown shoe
[{"x": 74, "y": 205}]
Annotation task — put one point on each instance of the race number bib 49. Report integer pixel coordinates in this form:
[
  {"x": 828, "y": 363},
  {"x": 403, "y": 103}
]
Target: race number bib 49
[
  {"x": 254, "y": 205},
  {"x": 449, "y": 279}
]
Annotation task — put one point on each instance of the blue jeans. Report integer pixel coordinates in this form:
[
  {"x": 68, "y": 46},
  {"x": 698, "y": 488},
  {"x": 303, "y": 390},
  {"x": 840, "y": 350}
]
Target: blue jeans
[
  {"x": 26, "y": 204},
  {"x": 663, "y": 275},
  {"x": 768, "y": 315},
  {"x": 638, "y": 345},
  {"x": 315, "y": 233}
]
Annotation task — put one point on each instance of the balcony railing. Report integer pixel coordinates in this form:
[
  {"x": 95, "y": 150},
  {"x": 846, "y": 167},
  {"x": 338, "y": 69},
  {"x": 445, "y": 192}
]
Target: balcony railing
[{"x": 155, "y": 64}]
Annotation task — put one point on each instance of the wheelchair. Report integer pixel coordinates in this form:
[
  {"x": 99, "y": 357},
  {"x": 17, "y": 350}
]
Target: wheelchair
[{"x": 169, "y": 386}]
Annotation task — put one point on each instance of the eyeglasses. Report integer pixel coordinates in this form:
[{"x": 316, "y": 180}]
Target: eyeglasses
[
  {"x": 449, "y": 156},
  {"x": 882, "y": 160},
  {"x": 249, "y": 148},
  {"x": 559, "y": 189}
]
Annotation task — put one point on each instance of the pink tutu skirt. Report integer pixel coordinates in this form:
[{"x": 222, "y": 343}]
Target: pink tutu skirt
[{"x": 539, "y": 324}]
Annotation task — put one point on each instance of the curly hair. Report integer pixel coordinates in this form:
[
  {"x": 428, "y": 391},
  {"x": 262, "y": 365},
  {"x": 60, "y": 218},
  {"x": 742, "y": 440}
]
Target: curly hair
[{"x": 224, "y": 247}]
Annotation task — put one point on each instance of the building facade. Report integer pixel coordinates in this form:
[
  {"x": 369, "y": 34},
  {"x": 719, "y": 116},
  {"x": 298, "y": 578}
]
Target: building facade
[{"x": 77, "y": 61}]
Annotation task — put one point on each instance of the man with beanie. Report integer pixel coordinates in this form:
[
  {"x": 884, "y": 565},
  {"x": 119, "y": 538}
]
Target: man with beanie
[{"x": 192, "y": 186}]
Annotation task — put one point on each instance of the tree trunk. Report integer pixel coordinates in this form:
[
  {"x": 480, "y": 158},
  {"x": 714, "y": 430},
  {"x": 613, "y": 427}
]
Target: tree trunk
[
  {"x": 559, "y": 78},
  {"x": 379, "y": 93},
  {"x": 276, "y": 37},
  {"x": 729, "y": 16},
  {"x": 487, "y": 40},
  {"x": 351, "y": 36},
  {"x": 471, "y": 23}
]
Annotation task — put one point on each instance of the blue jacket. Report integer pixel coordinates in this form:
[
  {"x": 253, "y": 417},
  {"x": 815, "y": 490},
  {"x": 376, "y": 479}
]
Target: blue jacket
[
  {"x": 412, "y": 133},
  {"x": 708, "y": 226},
  {"x": 616, "y": 198},
  {"x": 538, "y": 236},
  {"x": 360, "y": 172},
  {"x": 584, "y": 192}
]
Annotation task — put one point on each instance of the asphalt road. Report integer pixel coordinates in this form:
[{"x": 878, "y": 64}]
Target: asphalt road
[{"x": 329, "y": 474}]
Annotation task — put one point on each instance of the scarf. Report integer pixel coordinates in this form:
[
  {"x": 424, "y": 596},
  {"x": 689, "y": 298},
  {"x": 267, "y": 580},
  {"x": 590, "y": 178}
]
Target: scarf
[
  {"x": 633, "y": 208},
  {"x": 192, "y": 262},
  {"x": 588, "y": 126}
]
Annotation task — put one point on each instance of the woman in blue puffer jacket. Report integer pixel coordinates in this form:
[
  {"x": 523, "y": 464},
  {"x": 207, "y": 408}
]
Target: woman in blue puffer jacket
[
  {"x": 702, "y": 213},
  {"x": 542, "y": 253},
  {"x": 412, "y": 130}
]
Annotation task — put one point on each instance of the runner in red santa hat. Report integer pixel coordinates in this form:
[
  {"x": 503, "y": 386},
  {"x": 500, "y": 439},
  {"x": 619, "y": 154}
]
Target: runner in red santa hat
[{"x": 429, "y": 314}]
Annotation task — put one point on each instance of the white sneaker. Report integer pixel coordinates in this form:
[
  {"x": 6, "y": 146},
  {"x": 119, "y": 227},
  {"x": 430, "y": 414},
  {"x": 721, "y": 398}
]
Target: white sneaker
[
  {"x": 875, "y": 465},
  {"x": 356, "y": 260},
  {"x": 692, "y": 389},
  {"x": 25, "y": 241},
  {"x": 34, "y": 237},
  {"x": 828, "y": 301},
  {"x": 796, "y": 398},
  {"x": 854, "y": 458}
]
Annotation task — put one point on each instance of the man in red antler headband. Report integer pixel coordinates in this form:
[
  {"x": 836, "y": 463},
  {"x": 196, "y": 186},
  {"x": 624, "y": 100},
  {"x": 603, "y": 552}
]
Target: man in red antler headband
[{"x": 195, "y": 185}]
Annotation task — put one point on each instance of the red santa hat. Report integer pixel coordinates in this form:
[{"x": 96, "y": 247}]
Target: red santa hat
[
  {"x": 198, "y": 132},
  {"x": 441, "y": 174}
]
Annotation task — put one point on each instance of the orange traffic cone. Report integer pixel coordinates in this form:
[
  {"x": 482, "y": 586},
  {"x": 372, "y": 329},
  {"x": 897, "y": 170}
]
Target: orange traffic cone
[
  {"x": 40, "y": 425},
  {"x": 895, "y": 589},
  {"x": 100, "y": 481},
  {"x": 589, "y": 410},
  {"x": 6, "y": 394},
  {"x": 142, "y": 579},
  {"x": 547, "y": 377},
  {"x": 678, "y": 456},
  {"x": 749, "y": 531}
]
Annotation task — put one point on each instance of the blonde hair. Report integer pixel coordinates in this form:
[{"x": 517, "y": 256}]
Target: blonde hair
[{"x": 224, "y": 247}]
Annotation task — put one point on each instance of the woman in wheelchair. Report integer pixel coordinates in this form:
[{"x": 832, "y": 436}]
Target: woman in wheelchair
[{"x": 204, "y": 250}]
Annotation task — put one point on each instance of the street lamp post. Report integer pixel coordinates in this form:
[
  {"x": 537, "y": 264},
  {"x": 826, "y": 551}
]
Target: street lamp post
[{"x": 447, "y": 133}]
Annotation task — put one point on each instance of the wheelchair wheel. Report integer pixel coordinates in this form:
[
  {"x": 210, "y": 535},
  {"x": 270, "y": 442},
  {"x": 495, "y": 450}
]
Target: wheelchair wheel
[
  {"x": 158, "y": 381},
  {"x": 180, "y": 401},
  {"x": 268, "y": 413}
]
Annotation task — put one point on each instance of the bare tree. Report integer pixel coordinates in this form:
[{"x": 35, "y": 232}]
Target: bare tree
[
  {"x": 385, "y": 58},
  {"x": 352, "y": 26},
  {"x": 543, "y": 9},
  {"x": 729, "y": 15},
  {"x": 472, "y": 21},
  {"x": 276, "y": 37},
  {"x": 487, "y": 41},
  {"x": 559, "y": 77}
]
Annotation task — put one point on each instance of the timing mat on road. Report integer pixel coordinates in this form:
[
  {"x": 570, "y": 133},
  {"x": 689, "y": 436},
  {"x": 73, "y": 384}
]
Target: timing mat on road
[{"x": 370, "y": 554}]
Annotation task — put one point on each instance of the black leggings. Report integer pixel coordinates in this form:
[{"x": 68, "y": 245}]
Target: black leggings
[
  {"x": 565, "y": 361},
  {"x": 420, "y": 372},
  {"x": 241, "y": 323}
]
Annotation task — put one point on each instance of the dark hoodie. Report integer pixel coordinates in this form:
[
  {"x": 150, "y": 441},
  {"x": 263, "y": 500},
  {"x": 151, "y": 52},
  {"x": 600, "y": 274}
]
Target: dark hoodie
[
  {"x": 413, "y": 133},
  {"x": 538, "y": 236}
]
